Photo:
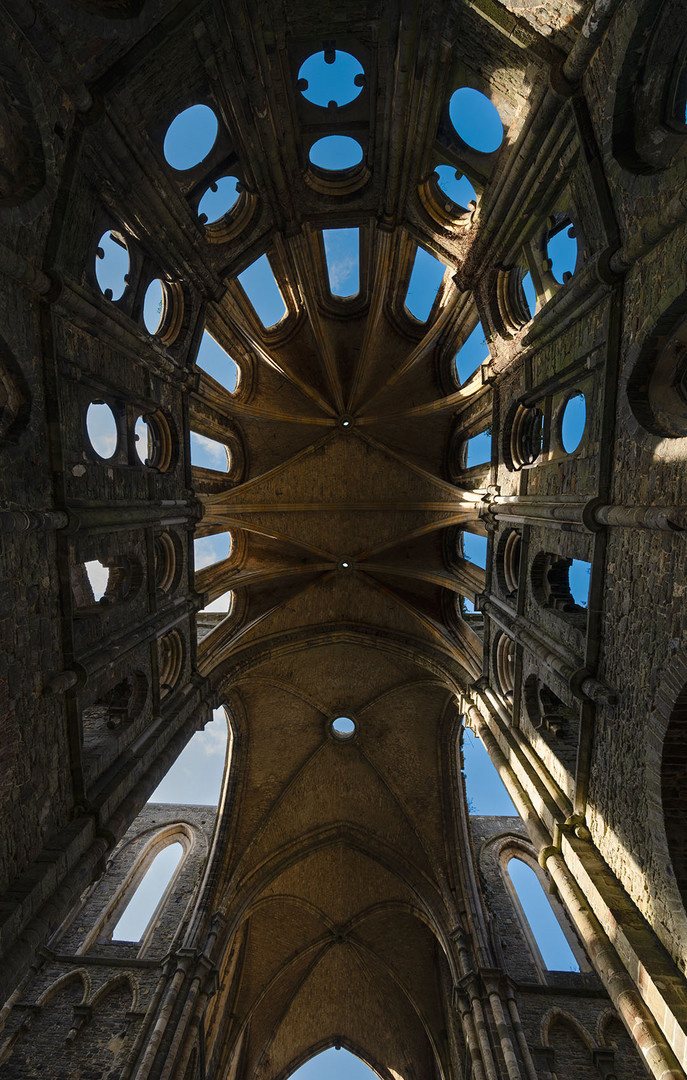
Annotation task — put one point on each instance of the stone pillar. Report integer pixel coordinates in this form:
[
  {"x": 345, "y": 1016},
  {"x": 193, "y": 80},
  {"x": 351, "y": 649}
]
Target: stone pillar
[{"x": 638, "y": 1018}]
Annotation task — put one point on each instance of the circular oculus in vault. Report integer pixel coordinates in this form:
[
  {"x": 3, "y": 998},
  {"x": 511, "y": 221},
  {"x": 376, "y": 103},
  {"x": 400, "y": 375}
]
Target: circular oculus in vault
[{"x": 342, "y": 727}]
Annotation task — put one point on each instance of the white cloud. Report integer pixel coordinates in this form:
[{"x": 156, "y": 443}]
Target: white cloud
[
  {"x": 209, "y": 454},
  {"x": 207, "y": 555},
  {"x": 340, "y": 271}
]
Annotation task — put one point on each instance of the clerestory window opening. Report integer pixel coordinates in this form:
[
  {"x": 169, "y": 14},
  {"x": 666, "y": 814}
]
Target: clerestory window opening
[
  {"x": 260, "y": 286},
  {"x": 208, "y": 550},
  {"x": 478, "y": 449},
  {"x": 472, "y": 353},
  {"x": 336, "y": 1063},
  {"x": 207, "y": 453},
  {"x": 342, "y": 253},
  {"x": 217, "y": 362},
  {"x": 101, "y": 426},
  {"x": 474, "y": 548},
  {"x": 218, "y": 199},
  {"x": 426, "y": 278},
  {"x": 486, "y": 792},
  {"x": 195, "y": 777},
  {"x": 573, "y": 422}
]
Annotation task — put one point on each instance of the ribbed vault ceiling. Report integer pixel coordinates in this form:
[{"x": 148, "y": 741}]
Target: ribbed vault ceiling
[{"x": 342, "y": 867}]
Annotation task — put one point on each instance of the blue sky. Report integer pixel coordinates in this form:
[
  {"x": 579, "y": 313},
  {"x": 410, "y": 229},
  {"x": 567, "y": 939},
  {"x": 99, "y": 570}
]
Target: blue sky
[
  {"x": 425, "y": 280},
  {"x": 476, "y": 120},
  {"x": 216, "y": 361},
  {"x": 261, "y": 288},
  {"x": 190, "y": 137},
  {"x": 573, "y": 423},
  {"x": 219, "y": 198},
  {"x": 102, "y": 429},
  {"x": 342, "y": 253},
  {"x": 336, "y": 152},
  {"x": 473, "y": 352},
  {"x": 562, "y": 251},
  {"x": 479, "y": 449},
  {"x": 340, "y": 81},
  {"x": 208, "y": 453},
  {"x": 553, "y": 945},
  {"x": 335, "y": 1065},
  {"x": 475, "y": 548},
  {"x": 456, "y": 185}
]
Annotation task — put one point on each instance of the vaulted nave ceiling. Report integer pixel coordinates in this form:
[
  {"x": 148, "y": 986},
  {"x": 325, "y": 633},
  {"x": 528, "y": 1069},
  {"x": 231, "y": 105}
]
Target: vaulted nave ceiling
[{"x": 342, "y": 887}]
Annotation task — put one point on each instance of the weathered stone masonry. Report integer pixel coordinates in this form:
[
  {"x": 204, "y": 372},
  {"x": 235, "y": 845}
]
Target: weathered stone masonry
[{"x": 344, "y": 895}]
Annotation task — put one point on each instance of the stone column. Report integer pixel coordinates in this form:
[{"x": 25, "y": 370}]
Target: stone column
[{"x": 642, "y": 1025}]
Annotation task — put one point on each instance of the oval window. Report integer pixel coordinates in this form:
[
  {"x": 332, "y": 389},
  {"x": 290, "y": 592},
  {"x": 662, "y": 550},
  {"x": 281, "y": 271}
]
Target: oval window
[
  {"x": 102, "y": 428},
  {"x": 573, "y": 422},
  {"x": 153, "y": 302},
  {"x": 112, "y": 265},
  {"x": 218, "y": 199},
  {"x": 190, "y": 137},
  {"x": 336, "y": 153},
  {"x": 331, "y": 76},
  {"x": 475, "y": 120}
]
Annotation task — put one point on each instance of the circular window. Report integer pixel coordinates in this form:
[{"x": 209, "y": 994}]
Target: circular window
[
  {"x": 155, "y": 446},
  {"x": 171, "y": 659},
  {"x": 455, "y": 186},
  {"x": 102, "y": 429},
  {"x": 526, "y": 437},
  {"x": 561, "y": 251},
  {"x": 343, "y": 727},
  {"x": 504, "y": 656},
  {"x": 112, "y": 265},
  {"x": 331, "y": 76},
  {"x": 143, "y": 437},
  {"x": 153, "y": 306},
  {"x": 218, "y": 199},
  {"x": 475, "y": 120},
  {"x": 335, "y": 153},
  {"x": 573, "y": 421},
  {"x": 165, "y": 552},
  {"x": 508, "y": 562},
  {"x": 190, "y": 137}
]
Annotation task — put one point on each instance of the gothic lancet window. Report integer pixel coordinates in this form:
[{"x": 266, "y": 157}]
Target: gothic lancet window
[
  {"x": 142, "y": 905},
  {"x": 541, "y": 924}
]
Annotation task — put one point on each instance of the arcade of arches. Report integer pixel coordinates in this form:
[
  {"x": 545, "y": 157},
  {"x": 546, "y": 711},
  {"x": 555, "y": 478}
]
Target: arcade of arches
[{"x": 343, "y": 385}]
